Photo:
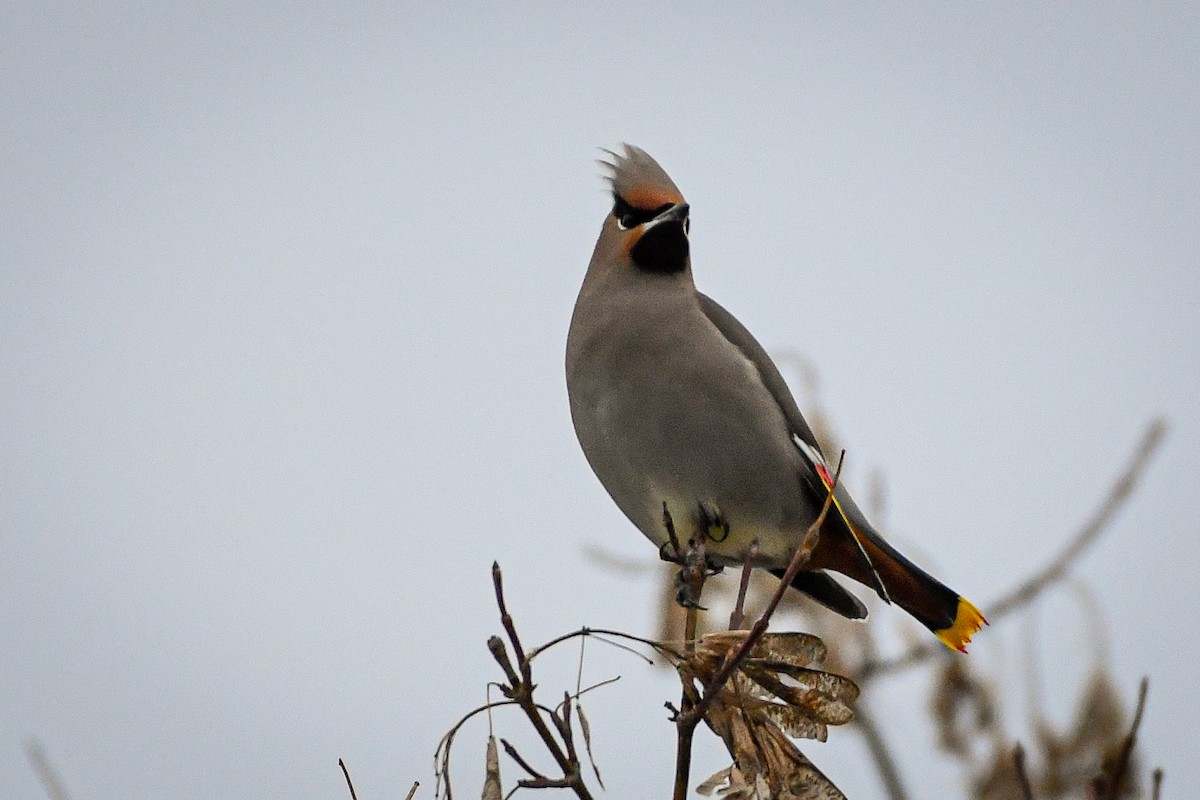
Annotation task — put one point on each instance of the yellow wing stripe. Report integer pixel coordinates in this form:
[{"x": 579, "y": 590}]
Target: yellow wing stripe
[{"x": 854, "y": 533}]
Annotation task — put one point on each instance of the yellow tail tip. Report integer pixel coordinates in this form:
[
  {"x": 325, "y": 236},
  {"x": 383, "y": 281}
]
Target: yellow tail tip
[{"x": 967, "y": 621}]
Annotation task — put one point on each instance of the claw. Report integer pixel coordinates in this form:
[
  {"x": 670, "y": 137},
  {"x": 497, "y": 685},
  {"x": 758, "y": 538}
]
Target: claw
[
  {"x": 683, "y": 593},
  {"x": 664, "y": 555}
]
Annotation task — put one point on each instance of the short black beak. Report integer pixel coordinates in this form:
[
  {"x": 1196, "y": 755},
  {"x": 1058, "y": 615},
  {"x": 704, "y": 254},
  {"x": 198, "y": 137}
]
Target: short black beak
[
  {"x": 663, "y": 245},
  {"x": 676, "y": 213}
]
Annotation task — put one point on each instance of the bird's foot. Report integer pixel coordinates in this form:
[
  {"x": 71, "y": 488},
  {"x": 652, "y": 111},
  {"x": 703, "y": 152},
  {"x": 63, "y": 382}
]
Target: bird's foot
[
  {"x": 694, "y": 565},
  {"x": 685, "y": 591},
  {"x": 693, "y": 572}
]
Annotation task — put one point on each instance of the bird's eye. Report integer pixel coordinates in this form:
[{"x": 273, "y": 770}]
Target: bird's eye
[{"x": 627, "y": 216}]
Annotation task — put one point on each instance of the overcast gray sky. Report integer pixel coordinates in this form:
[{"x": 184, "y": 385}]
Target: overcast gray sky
[{"x": 284, "y": 291}]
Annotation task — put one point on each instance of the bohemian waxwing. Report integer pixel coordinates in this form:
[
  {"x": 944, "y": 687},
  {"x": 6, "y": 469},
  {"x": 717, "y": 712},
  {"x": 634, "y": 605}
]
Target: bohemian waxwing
[{"x": 681, "y": 412}]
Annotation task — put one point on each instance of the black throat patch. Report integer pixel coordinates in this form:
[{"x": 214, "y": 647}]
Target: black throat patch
[{"x": 663, "y": 249}]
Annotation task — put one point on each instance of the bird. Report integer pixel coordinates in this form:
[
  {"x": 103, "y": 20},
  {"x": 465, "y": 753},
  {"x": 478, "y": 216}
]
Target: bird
[{"x": 685, "y": 419}]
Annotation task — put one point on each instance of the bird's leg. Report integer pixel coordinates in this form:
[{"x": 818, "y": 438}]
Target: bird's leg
[
  {"x": 695, "y": 567},
  {"x": 738, "y": 618},
  {"x": 693, "y": 571},
  {"x": 689, "y": 580},
  {"x": 689, "y": 585}
]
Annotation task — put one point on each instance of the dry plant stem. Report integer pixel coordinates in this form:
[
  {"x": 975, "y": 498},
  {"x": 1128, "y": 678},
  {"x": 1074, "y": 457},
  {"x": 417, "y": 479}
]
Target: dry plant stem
[
  {"x": 521, "y": 762},
  {"x": 349, "y": 783},
  {"x": 1053, "y": 572},
  {"x": 563, "y": 723},
  {"x": 1110, "y": 788},
  {"x": 691, "y": 622},
  {"x": 694, "y": 573},
  {"x": 738, "y": 617},
  {"x": 441, "y": 758},
  {"x": 600, "y": 632},
  {"x": 1022, "y": 774},
  {"x": 521, "y": 687},
  {"x": 1156, "y": 792},
  {"x": 683, "y": 759},
  {"x": 694, "y": 704},
  {"x": 412, "y": 791},
  {"x": 889, "y": 773}
]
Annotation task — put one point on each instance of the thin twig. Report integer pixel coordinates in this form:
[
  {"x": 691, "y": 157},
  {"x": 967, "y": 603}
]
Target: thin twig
[
  {"x": 1156, "y": 791},
  {"x": 1119, "y": 493},
  {"x": 349, "y": 783},
  {"x": 672, "y": 537},
  {"x": 441, "y": 757},
  {"x": 506, "y": 620},
  {"x": 1031, "y": 588},
  {"x": 562, "y": 721},
  {"x": 693, "y": 575},
  {"x": 737, "y": 617},
  {"x": 579, "y": 672},
  {"x": 691, "y": 622},
  {"x": 413, "y": 790},
  {"x": 521, "y": 762},
  {"x": 46, "y": 772},
  {"x": 596, "y": 685},
  {"x": 889, "y": 772},
  {"x": 1022, "y": 774},
  {"x": 600, "y": 633},
  {"x": 520, "y": 690}
]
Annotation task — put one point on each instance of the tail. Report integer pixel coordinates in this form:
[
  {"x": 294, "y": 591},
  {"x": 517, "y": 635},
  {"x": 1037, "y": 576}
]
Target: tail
[
  {"x": 828, "y": 592},
  {"x": 953, "y": 618},
  {"x": 850, "y": 545}
]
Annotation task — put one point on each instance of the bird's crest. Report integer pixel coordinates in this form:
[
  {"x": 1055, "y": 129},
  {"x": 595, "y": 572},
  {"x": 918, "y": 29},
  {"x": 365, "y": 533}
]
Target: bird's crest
[{"x": 637, "y": 179}]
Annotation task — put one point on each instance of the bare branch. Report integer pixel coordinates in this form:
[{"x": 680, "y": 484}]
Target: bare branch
[
  {"x": 600, "y": 633},
  {"x": 441, "y": 757},
  {"x": 1091, "y": 529},
  {"x": 520, "y": 690},
  {"x": 737, "y": 617},
  {"x": 506, "y": 619},
  {"x": 889, "y": 772},
  {"x": 1054, "y": 571},
  {"x": 521, "y": 762},
  {"x": 46, "y": 772}
]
